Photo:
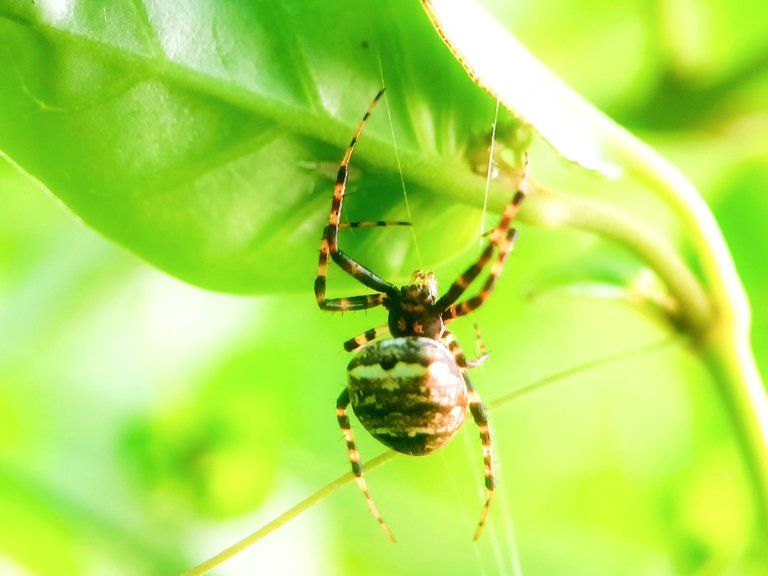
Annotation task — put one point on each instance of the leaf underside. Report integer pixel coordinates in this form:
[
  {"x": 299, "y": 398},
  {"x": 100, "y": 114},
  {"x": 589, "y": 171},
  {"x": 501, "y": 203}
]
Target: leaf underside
[{"x": 205, "y": 140}]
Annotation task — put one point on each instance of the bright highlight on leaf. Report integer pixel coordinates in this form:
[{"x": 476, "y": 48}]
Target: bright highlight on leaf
[{"x": 499, "y": 63}]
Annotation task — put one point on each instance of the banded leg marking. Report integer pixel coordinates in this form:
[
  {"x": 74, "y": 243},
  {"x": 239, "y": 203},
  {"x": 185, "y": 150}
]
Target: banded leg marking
[
  {"x": 458, "y": 354},
  {"x": 351, "y": 303},
  {"x": 481, "y": 348},
  {"x": 361, "y": 340},
  {"x": 480, "y": 416},
  {"x": 502, "y": 238},
  {"x": 373, "y": 223},
  {"x": 471, "y": 304},
  {"x": 462, "y": 282},
  {"x": 354, "y": 459},
  {"x": 513, "y": 207},
  {"x": 329, "y": 243}
]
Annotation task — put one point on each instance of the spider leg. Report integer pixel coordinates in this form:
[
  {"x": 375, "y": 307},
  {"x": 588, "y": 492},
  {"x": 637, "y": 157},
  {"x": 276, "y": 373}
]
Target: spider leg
[
  {"x": 351, "y": 303},
  {"x": 481, "y": 346},
  {"x": 480, "y": 416},
  {"x": 354, "y": 458},
  {"x": 329, "y": 242},
  {"x": 501, "y": 237},
  {"x": 471, "y": 304},
  {"x": 362, "y": 339},
  {"x": 373, "y": 223},
  {"x": 462, "y": 282},
  {"x": 458, "y": 354}
]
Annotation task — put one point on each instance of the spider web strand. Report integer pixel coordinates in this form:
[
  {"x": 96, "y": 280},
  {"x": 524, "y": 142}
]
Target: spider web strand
[
  {"x": 489, "y": 172},
  {"x": 397, "y": 158}
]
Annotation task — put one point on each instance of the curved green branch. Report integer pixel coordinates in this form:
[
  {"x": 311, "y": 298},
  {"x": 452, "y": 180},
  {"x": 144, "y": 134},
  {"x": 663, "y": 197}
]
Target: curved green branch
[
  {"x": 550, "y": 209},
  {"x": 725, "y": 344},
  {"x": 495, "y": 60}
]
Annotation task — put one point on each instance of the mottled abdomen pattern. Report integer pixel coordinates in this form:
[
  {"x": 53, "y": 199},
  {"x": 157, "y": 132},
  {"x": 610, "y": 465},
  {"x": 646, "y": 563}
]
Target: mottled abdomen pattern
[{"x": 408, "y": 393}]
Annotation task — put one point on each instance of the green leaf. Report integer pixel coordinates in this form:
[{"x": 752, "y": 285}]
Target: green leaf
[
  {"x": 200, "y": 138},
  {"x": 205, "y": 137}
]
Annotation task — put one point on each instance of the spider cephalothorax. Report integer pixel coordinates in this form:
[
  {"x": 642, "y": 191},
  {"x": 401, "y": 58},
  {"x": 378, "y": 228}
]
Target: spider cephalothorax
[
  {"x": 411, "y": 391},
  {"x": 413, "y": 310}
]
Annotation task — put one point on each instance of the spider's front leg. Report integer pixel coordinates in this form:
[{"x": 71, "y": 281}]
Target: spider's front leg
[
  {"x": 502, "y": 238},
  {"x": 471, "y": 304},
  {"x": 329, "y": 245}
]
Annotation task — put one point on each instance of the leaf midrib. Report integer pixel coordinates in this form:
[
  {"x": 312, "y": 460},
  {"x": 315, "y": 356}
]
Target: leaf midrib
[{"x": 435, "y": 174}]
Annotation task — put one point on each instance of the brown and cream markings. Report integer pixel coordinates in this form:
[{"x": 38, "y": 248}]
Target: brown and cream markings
[{"x": 408, "y": 382}]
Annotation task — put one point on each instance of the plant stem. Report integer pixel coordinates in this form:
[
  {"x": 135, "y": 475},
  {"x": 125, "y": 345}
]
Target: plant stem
[
  {"x": 733, "y": 366},
  {"x": 725, "y": 343},
  {"x": 286, "y": 517},
  {"x": 552, "y": 209}
]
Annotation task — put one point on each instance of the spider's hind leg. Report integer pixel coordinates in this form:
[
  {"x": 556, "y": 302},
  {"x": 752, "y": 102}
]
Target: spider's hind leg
[
  {"x": 480, "y": 416},
  {"x": 354, "y": 458}
]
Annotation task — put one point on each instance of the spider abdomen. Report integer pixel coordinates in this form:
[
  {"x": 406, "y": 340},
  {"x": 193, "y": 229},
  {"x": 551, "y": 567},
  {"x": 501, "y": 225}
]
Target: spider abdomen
[{"x": 408, "y": 392}]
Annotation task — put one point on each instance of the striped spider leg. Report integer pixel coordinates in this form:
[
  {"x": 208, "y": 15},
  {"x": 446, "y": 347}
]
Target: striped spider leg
[
  {"x": 329, "y": 245},
  {"x": 502, "y": 238},
  {"x": 408, "y": 381},
  {"x": 479, "y": 415}
]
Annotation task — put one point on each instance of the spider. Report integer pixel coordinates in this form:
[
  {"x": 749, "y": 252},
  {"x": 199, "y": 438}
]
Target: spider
[{"x": 411, "y": 390}]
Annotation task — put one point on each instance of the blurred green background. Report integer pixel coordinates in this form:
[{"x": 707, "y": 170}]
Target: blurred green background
[{"x": 145, "y": 424}]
